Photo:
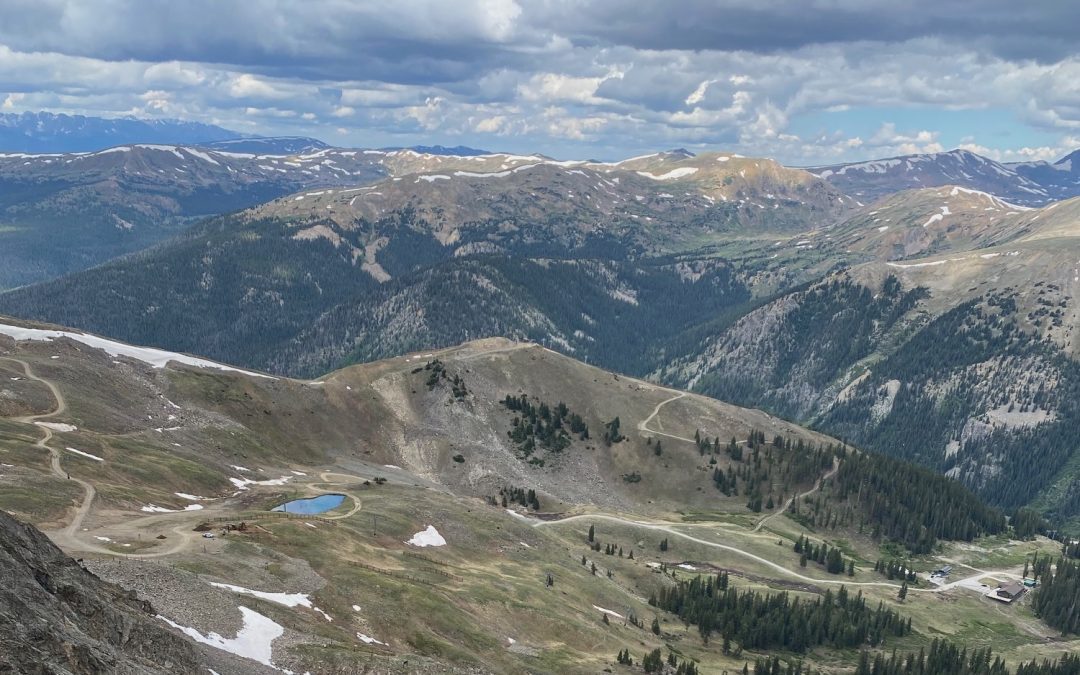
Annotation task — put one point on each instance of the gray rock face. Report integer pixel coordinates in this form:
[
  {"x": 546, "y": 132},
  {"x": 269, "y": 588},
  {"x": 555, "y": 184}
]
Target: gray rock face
[{"x": 56, "y": 617}]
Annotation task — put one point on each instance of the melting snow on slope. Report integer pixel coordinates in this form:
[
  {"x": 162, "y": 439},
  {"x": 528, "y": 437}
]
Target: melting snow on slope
[
  {"x": 157, "y": 358},
  {"x": 253, "y": 641},
  {"x": 680, "y": 172},
  {"x": 933, "y": 219},
  {"x": 242, "y": 483},
  {"x": 369, "y": 640},
  {"x": 428, "y": 537},
  {"x": 284, "y": 599},
  {"x": 608, "y": 612},
  {"x": 85, "y": 454},
  {"x": 150, "y": 508},
  {"x": 58, "y": 426},
  {"x": 192, "y": 498}
]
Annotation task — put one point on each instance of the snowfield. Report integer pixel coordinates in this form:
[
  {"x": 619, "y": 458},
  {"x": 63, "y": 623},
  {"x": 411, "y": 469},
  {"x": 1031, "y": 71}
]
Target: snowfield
[
  {"x": 158, "y": 358},
  {"x": 253, "y": 641},
  {"x": 428, "y": 537}
]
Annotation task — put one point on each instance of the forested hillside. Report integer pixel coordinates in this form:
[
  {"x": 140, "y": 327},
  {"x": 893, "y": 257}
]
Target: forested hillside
[
  {"x": 238, "y": 291},
  {"x": 982, "y": 391}
]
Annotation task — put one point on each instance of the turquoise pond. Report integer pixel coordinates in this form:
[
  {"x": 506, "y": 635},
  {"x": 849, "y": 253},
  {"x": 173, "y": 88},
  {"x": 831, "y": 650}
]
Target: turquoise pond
[{"x": 311, "y": 505}]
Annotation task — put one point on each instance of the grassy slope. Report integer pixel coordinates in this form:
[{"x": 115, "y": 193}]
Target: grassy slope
[{"x": 362, "y": 418}]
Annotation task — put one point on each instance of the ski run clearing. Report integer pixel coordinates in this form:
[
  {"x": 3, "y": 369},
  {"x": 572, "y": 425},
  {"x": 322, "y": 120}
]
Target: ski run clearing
[
  {"x": 428, "y": 537},
  {"x": 284, "y": 599}
]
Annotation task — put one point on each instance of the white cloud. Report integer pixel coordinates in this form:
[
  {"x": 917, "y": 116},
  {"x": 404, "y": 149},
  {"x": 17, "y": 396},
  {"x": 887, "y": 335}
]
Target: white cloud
[
  {"x": 564, "y": 76},
  {"x": 698, "y": 94},
  {"x": 248, "y": 86}
]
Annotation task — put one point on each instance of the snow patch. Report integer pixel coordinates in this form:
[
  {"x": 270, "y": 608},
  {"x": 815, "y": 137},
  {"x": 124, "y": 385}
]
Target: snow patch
[
  {"x": 608, "y": 612},
  {"x": 253, "y": 641},
  {"x": 158, "y": 358},
  {"x": 151, "y": 508},
  {"x": 368, "y": 640},
  {"x": 933, "y": 219},
  {"x": 86, "y": 454},
  {"x": 242, "y": 483},
  {"x": 428, "y": 537},
  {"x": 283, "y": 599},
  {"x": 58, "y": 426},
  {"x": 680, "y": 172}
]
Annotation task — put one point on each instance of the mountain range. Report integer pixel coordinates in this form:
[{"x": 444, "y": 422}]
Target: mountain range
[
  {"x": 1024, "y": 183},
  {"x": 44, "y": 132},
  {"x": 562, "y": 415},
  {"x": 814, "y": 294}
]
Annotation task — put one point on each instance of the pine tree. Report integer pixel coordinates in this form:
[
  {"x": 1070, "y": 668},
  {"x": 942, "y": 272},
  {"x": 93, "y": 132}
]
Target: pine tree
[
  {"x": 656, "y": 626},
  {"x": 592, "y": 533},
  {"x": 903, "y": 591}
]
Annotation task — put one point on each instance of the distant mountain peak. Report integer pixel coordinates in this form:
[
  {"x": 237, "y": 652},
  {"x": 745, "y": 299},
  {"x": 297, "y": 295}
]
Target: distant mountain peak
[
  {"x": 46, "y": 132},
  {"x": 456, "y": 151},
  {"x": 1070, "y": 162}
]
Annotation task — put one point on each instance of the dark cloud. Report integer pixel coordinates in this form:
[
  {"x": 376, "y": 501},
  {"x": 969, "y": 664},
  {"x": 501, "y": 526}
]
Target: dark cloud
[
  {"x": 1044, "y": 30},
  {"x": 544, "y": 74}
]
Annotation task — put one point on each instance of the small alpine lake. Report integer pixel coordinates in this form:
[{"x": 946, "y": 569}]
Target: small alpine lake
[{"x": 311, "y": 505}]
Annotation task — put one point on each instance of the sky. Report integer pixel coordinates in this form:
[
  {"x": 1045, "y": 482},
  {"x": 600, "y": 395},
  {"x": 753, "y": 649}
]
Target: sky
[{"x": 803, "y": 81}]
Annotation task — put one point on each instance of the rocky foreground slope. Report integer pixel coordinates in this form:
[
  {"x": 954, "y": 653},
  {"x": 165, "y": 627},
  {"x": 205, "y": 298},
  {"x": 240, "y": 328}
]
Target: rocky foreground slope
[{"x": 56, "y": 617}]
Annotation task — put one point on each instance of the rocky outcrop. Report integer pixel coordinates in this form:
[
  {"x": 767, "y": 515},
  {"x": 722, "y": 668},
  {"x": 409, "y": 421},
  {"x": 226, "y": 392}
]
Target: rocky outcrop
[{"x": 56, "y": 617}]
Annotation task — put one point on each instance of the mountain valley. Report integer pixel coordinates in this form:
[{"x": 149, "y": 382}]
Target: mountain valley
[{"x": 126, "y": 456}]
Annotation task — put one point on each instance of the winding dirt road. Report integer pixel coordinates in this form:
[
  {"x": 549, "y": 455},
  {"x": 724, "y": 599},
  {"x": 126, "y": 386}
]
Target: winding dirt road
[
  {"x": 61, "y": 407},
  {"x": 667, "y": 529},
  {"x": 817, "y": 486},
  {"x": 643, "y": 425}
]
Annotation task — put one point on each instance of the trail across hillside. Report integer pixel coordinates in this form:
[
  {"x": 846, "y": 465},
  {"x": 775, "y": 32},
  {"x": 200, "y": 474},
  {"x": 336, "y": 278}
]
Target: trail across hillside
[
  {"x": 61, "y": 407},
  {"x": 67, "y": 537},
  {"x": 643, "y": 425},
  {"x": 667, "y": 529},
  {"x": 787, "y": 505}
]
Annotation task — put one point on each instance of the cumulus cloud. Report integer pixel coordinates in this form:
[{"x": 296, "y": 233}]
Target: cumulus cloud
[{"x": 599, "y": 78}]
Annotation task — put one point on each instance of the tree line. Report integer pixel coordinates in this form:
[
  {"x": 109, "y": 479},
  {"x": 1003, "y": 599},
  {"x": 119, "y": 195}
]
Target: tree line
[{"x": 756, "y": 620}]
